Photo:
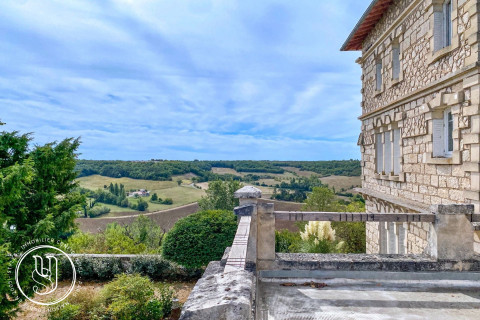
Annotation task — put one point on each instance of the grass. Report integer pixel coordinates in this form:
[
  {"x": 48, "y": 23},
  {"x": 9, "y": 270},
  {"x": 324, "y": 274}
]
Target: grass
[
  {"x": 340, "y": 182},
  {"x": 181, "y": 195}
]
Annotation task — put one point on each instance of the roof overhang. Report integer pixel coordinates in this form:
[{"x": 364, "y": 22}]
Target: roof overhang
[{"x": 367, "y": 22}]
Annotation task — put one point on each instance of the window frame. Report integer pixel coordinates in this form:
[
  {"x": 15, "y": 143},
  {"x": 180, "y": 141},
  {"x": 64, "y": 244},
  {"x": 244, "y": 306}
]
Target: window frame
[
  {"x": 447, "y": 24},
  {"x": 448, "y": 132},
  {"x": 394, "y": 159},
  {"x": 378, "y": 75}
]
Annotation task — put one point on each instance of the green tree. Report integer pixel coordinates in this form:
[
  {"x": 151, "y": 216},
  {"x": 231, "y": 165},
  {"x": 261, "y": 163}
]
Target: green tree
[
  {"x": 320, "y": 199},
  {"x": 111, "y": 188},
  {"x": 37, "y": 197},
  {"x": 116, "y": 190},
  {"x": 179, "y": 182},
  {"x": 142, "y": 205},
  {"x": 154, "y": 197},
  {"x": 220, "y": 195}
]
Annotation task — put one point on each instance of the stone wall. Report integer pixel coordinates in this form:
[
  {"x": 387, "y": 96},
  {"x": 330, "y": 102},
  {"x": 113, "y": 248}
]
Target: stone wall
[
  {"x": 429, "y": 82},
  {"x": 410, "y": 24}
]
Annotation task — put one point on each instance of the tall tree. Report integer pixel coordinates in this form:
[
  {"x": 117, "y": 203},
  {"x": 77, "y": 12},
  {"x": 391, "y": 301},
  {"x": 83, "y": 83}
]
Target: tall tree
[
  {"x": 220, "y": 195},
  {"x": 37, "y": 198}
]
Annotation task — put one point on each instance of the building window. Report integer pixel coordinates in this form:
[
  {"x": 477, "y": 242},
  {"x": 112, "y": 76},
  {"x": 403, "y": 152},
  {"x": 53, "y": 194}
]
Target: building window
[
  {"x": 388, "y": 154},
  {"x": 443, "y": 135},
  {"x": 396, "y": 61},
  {"x": 443, "y": 26},
  {"x": 378, "y": 75}
]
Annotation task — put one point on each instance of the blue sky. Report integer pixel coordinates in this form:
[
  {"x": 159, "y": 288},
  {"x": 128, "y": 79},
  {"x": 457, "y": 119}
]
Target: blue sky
[{"x": 183, "y": 79}]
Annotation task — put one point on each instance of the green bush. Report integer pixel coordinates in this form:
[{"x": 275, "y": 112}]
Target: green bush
[
  {"x": 106, "y": 267},
  {"x": 353, "y": 234},
  {"x": 196, "y": 240},
  {"x": 98, "y": 211},
  {"x": 287, "y": 241},
  {"x": 131, "y": 296}
]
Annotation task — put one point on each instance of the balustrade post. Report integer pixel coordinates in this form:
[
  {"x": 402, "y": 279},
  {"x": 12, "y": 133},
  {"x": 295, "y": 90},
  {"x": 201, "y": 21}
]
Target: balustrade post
[
  {"x": 451, "y": 235},
  {"x": 265, "y": 236}
]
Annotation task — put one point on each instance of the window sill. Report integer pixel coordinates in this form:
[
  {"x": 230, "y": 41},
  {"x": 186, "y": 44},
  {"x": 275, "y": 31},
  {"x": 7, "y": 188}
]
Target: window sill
[
  {"x": 395, "y": 82},
  {"x": 454, "y": 159},
  {"x": 377, "y": 92},
  {"x": 437, "y": 55},
  {"x": 398, "y": 178}
]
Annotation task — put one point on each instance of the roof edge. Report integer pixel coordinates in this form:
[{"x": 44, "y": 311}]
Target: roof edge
[{"x": 359, "y": 23}]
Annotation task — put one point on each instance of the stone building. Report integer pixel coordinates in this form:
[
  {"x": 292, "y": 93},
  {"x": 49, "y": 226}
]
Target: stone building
[{"x": 420, "y": 132}]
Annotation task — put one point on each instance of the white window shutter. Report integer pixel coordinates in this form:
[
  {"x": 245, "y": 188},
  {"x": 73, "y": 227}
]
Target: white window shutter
[
  {"x": 388, "y": 153},
  {"x": 396, "y": 151},
  {"x": 396, "y": 61},
  {"x": 438, "y": 138},
  {"x": 438, "y": 37},
  {"x": 379, "y": 152},
  {"x": 379, "y": 76}
]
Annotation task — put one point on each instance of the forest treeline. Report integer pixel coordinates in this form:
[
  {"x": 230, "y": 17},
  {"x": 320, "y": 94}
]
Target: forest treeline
[{"x": 165, "y": 169}]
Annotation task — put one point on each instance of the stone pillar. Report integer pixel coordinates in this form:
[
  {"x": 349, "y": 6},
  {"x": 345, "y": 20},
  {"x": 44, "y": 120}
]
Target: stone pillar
[
  {"x": 383, "y": 238},
  {"x": 248, "y": 197},
  {"x": 392, "y": 238},
  {"x": 402, "y": 237},
  {"x": 265, "y": 236},
  {"x": 451, "y": 235}
]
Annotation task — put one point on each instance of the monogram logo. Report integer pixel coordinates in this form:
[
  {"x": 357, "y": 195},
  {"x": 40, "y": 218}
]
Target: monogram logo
[{"x": 42, "y": 264}]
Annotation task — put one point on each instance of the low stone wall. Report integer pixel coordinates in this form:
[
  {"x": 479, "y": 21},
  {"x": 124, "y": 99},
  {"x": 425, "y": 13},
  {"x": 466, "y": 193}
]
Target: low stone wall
[
  {"x": 371, "y": 262},
  {"x": 222, "y": 296}
]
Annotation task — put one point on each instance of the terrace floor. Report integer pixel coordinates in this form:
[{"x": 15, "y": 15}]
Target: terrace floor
[{"x": 279, "y": 299}]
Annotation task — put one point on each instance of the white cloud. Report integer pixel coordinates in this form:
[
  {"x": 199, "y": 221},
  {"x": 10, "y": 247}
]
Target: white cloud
[{"x": 204, "y": 79}]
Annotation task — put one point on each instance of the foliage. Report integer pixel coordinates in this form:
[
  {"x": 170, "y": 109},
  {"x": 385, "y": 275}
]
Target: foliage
[
  {"x": 133, "y": 297},
  {"x": 220, "y": 195},
  {"x": 142, "y": 205},
  {"x": 165, "y": 170},
  {"x": 287, "y": 241},
  {"x": 98, "y": 211},
  {"x": 106, "y": 267},
  {"x": 154, "y": 197},
  {"x": 196, "y": 240},
  {"x": 353, "y": 234},
  {"x": 129, "y": 296},
  {"x": 320, "y": 199},
  {"x": 300, "y": 187},
  {"x": 319, "y": 237},
  {"x": 37, "y": 197}
]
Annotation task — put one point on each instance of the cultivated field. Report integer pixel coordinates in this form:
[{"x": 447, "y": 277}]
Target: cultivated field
[
  {"x": 340, "y": 182},
  {"x": 181, "y": 195}
]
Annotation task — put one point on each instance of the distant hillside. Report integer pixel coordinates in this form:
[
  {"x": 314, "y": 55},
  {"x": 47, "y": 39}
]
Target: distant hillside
[{"x": 167, "y": 169}]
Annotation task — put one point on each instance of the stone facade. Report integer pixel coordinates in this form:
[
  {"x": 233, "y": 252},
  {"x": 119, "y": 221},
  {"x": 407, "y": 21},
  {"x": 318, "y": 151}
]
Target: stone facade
[{"x": 430, "y": 82}]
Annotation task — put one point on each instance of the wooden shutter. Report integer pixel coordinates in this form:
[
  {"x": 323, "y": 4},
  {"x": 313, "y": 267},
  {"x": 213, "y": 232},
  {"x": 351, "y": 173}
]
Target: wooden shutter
[
  {"x": 379, "y": 76},
  {"x": 396, "y": 61},
  {"x": 438, "y": 37},
  {"x": 388, "y": 153},
  {"x": 438, "y": 138},
  {"x": 379, "y": 152},
  {"x": 396, "y": 151}
]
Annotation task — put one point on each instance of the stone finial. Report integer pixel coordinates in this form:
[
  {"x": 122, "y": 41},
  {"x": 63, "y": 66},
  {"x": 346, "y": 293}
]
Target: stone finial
[{"x": 248, "y": 192}]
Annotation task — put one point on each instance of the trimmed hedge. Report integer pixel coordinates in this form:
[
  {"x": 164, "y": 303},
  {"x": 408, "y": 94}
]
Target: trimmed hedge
[
  {"x": 105, "y": 267},
  {"x": 202, "y": 237}
]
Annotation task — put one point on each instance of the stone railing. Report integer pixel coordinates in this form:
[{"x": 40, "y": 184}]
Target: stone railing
[{"x": 450, "y": 237}]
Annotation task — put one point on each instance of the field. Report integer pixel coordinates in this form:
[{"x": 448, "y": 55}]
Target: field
[
  {"x": 181, "y": 195},
  {"x": 340, "y": 182}
]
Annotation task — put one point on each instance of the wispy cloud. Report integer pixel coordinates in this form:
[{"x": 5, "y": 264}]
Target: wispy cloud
[{"x": 183, "y": 79}]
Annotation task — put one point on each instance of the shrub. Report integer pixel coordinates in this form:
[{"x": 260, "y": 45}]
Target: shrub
[
  {"x": 83, "y": 303},
  {"x": 168, "y": 201},
  {"x": 133, "y": 297},
  {"x": 319, "y": 237},
  {"x": 196, "y": 240},
  {"x": 106, "y": 267},
  {"x": 142, "y": 205},
  {"x": 98, "y": 211},
  {"x": 287, "y": 241}
]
